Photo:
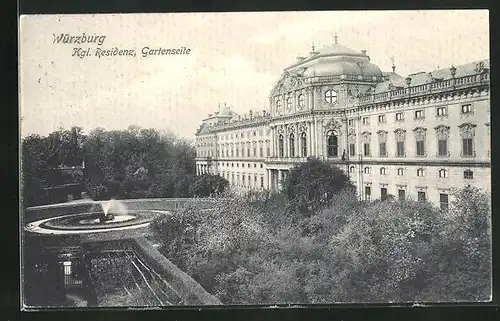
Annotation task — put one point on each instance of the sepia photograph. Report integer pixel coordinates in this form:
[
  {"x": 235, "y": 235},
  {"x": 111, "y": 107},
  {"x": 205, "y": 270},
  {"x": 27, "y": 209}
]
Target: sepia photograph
[{"x": 254, "y": 159}]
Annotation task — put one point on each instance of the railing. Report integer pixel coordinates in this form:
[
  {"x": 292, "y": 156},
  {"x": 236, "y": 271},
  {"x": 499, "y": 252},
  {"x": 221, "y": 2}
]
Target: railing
[
  {"x": 433, "y": 87},
  {"x": 286, "y": 159}
]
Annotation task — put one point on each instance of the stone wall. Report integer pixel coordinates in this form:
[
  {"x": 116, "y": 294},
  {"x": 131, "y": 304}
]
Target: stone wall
[{"x": 191, "y": 291}]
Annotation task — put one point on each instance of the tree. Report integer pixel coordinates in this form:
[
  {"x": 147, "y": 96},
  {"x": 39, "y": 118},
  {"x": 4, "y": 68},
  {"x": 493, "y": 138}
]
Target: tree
[
  {"x": 313, "y": 184},
  {"x": 208, "y": 185}
]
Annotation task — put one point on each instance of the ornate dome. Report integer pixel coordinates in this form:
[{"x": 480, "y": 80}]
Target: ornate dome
[{"x": 336, "y": 60}]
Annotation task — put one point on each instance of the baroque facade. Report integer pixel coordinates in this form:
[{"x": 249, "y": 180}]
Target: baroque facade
[{"x": 418, "y": 136}]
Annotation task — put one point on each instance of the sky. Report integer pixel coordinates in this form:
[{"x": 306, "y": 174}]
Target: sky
[{"x": 235, "y": 58}]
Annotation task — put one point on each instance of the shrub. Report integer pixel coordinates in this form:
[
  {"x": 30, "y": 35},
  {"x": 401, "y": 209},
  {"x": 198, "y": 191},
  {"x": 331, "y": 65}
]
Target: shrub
[{"x": 313, "y": 184}]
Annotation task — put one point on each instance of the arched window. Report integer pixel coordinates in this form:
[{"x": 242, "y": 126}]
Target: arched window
[
  {"x": 367, "y": 170},
  {"x": 289, "y": 103},
  {"x": 383, "y": 171},
  {"x": 420, "y": 172},
  {"x": 281, "y": 151},
  {"x": 302, "y": 101},
  {"x": 332, "y": 144},
  {"x": 291, "y": 142},
  {"x": 278, "y": 106},
  {"x": 303, "y": 144},
  {"x": 401, "y": 171},
  {"x": 351, "y": 169}
]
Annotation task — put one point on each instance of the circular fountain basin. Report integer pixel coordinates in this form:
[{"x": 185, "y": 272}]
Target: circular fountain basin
[{"x": 89, "y": 223}]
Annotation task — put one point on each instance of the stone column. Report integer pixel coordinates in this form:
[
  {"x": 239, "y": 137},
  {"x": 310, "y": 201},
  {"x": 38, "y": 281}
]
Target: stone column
[
  {"x": 286, "y": 142},
  {"x": 309, "y": 139},
  {"x": 297, "y": 140},
  {"x": 273, "y": 141}
]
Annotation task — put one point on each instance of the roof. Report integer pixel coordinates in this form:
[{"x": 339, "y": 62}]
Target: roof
[
  {"x": 335, "y": 59},
  {"x": 422, "y": 77}
]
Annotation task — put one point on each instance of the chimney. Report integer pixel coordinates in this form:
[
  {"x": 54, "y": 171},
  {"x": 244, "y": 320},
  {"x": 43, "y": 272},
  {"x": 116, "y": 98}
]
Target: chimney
[
  {"x": 264, "y": 113},
  {"x": 363, "y": 52},
  {"x": 299, "y": 59},
  {"x": 251, "y": 114}
]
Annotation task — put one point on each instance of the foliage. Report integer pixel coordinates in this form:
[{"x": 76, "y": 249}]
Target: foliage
[
  {"x": 132, "y": 163},
  {"x": 208, "y": 185},
  {"x": 312, "y": 185},
  {"x": 251, "y": 251}
]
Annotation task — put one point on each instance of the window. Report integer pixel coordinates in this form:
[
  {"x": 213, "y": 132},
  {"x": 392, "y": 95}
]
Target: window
[
  {"x": 255, "y": 151},
  {"x": 67, "y": 267},
  {"x": 419, "y": 114},
  {"x": 467, "y": 109},
  {"x": 243, "y": 179},
  {"x": 366, "y": 149},
  {"x": 278, "y": 106},
  {"x": 382, "y": 139},
  {"x": 281, "y": 149},
  {"x": 400, "y": 117},
  {"x": 262, "y": 182},
  {"x": 443, "y": 173},
  {"x": 420, "y": 172},
  {"x": 351, "y": 122},
  {"x": 242, "y": 152},
  {"x": 401, "y": 171},
  {"x": 368, "y": 193},
  {"x": 468, "y": 174},
  {"x": 383, "y": 149},
  {"x": 381, "y": 119},
  {"x": 302, "y": 101},
  {"x": 383, "y": 193},
  {"x": 400, "y": 142},
  {"x": 383, "y": 171},
  {"x": 332, "y": 145},
  {"x": 400, "y": 149},
  {"x": 442, "y": 134},
  {"x": 248, "y": 152},
  {"x": 261, "y": 151},
  {"x": 351, "y": 169},
  {"x": 443, "y": 201},
  {"x": 467, "y": 147},
  {"x": 441, "y": 111},
  {"x": 467, "y": 132},
  {"x": 330, "y": 96},
  {"x": 367, "y": 170},
  {"x": 261, "y": 166},
  {"x": 254, "y": 165},
  {"x": 420, "y": 140},
  {"x": 401, "y": 194},
  {"x": 442, "y": 147},
  {"x": 421, "y": 196},
  {"x": 366, "y": 138},
  {"x": 289, "y": 103},
  {"x": 291, "y": 142},
  {"x": 268, "y": 151},
  {"x": 352, "y": 149},
  {"x": 303, "y": 144},
  {"x": 365, "y": 120}
]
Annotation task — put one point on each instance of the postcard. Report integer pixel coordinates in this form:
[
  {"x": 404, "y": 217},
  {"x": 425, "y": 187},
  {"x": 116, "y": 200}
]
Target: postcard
[{"x": 255, "y": 158}]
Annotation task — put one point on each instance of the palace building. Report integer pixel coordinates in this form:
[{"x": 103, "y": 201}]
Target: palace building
[{"x": 418, "y": 136}]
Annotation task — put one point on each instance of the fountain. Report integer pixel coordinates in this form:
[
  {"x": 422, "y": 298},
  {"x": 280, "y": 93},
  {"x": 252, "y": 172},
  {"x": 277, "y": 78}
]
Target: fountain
[{"x": 105, "y": 216}]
